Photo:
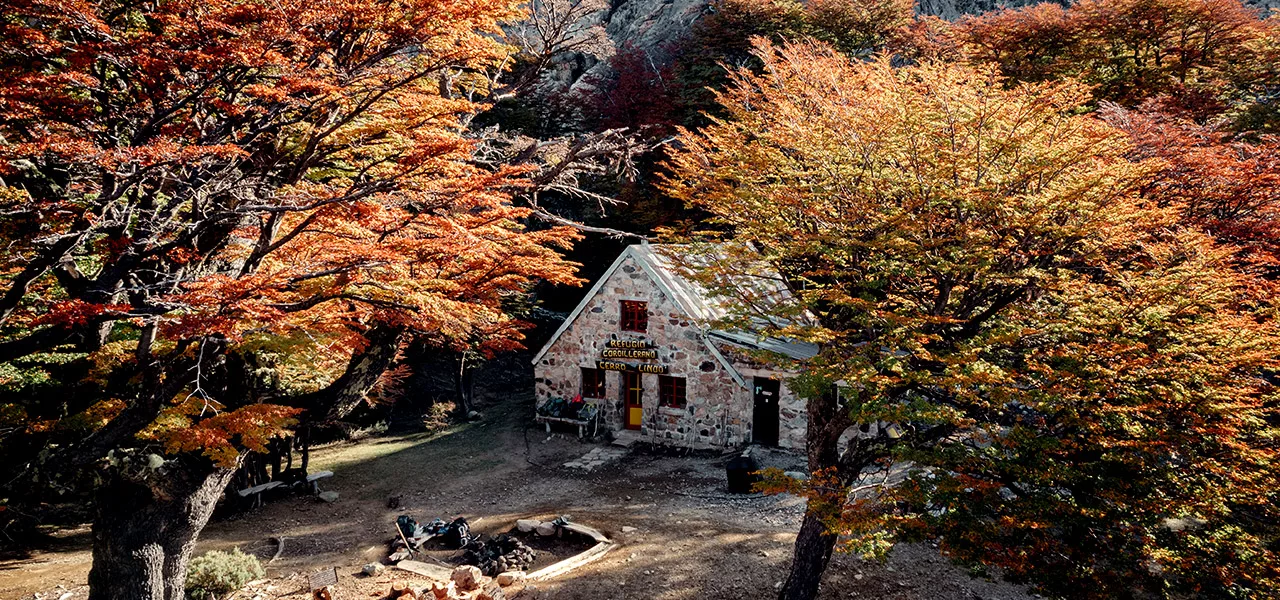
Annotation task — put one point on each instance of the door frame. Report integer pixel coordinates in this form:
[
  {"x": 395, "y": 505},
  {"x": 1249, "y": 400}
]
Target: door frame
[
  {"x": 632, "y": 411},
  {"x": 775, "y": 386}
]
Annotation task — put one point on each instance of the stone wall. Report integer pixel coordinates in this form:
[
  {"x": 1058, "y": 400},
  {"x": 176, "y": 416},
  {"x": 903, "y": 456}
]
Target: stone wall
[
  {"x": 718, "y": 409},
  {"x": 793, "y": 416}
]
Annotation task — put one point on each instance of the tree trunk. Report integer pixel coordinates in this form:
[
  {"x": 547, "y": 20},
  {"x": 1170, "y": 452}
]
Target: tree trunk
[
  {"x": 144, "y": 529},
  {"x": 466, "y": 384},
  {"x": 348, "y": 391},
  {"x": 814, "y": 545}
]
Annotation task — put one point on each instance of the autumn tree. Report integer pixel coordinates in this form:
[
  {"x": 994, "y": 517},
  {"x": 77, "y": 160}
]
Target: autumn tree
[
  {"x": 1074, "y": 375},
  {"x": 1209, "y": 56},
  {"x": 1227, "y": 184},
  {"x": 223, "y": 216},
  {"x": 722, "y": 39}
]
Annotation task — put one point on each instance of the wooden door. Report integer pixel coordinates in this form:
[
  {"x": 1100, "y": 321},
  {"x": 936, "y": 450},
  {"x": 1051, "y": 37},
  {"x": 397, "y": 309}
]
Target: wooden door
[
  {"x": 632, "y": 397},
  {"x": 764, "y": 422}
]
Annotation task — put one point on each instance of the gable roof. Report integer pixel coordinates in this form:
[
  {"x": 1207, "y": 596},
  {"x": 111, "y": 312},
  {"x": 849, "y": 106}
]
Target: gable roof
[{"x": 694, "y": 300}]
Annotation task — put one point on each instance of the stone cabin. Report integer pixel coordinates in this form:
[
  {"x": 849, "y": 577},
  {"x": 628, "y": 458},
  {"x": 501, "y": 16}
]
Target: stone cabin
[{"x": 642, "y": 348}]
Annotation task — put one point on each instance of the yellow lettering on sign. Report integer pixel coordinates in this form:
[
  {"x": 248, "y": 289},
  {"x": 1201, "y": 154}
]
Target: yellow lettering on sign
[{"x": 628, "y": 353}]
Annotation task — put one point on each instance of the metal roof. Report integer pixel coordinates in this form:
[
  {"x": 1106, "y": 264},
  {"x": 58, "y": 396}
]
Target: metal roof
[{"x": 697, "y": 302}]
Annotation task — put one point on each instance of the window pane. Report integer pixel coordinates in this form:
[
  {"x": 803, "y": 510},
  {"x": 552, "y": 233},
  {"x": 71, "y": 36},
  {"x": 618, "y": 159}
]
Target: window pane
[
  {"x": 593, "y": 383},
  {"x": 634, "y": 316},
  {"x": 671, "y": 391}
]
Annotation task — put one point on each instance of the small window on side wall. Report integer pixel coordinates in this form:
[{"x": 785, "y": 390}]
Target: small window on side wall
[
  {"x": 671, "y": 391},
  {"x": 593, "y": 383},
  {"x": 635, "y": 315}
]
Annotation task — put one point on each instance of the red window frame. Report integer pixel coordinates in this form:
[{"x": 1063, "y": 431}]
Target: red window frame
[
  {"x": 634, "y": 315},
  {"x": 593, "y": 383},
  {"x": 672, "y": 391}
]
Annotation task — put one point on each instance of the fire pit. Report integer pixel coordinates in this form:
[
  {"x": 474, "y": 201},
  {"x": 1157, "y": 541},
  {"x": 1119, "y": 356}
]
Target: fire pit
[{"x": 541, "y": 549}]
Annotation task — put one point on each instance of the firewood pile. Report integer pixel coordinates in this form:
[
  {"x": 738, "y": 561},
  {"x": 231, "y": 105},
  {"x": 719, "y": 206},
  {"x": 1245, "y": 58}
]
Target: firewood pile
[{"x": 499, "y": 554}]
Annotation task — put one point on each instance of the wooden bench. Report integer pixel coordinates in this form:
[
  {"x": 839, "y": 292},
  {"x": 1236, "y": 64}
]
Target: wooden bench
[
  {"x": 313, "y": 480},
  {"x": 256, "y": 491},
  {"x": 547, "y": 421}
]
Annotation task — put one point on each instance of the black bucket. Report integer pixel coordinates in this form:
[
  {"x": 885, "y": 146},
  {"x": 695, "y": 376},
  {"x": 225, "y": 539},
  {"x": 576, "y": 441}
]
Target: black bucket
[{"x": 742, "y": 474}]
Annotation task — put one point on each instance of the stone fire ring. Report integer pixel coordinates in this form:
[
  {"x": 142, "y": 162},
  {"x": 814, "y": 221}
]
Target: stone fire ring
[{"x": 590, "y": 555}]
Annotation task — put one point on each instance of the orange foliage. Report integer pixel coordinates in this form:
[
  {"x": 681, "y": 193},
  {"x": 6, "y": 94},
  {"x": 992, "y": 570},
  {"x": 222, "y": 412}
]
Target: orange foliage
[{"x": 202, "y": 178}]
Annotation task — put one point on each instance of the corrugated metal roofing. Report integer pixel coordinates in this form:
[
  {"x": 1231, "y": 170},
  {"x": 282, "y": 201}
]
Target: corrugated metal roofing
[{"x": 698, "y": 303}]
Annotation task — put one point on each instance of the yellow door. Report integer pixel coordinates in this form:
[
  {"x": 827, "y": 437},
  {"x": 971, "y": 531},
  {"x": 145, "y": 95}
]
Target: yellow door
[{"x": 633, "y": 395}]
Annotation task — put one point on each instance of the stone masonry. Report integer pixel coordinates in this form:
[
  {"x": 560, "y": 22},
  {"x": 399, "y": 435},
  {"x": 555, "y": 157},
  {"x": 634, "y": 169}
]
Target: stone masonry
[{"x": 718, "y": 411}]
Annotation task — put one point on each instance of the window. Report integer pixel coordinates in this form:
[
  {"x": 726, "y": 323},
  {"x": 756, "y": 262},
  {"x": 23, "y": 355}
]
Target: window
[
  {"x": 593, "y": 383},
  {"x": 635, "y": 315},
  {"x": 671, "y": 391}
]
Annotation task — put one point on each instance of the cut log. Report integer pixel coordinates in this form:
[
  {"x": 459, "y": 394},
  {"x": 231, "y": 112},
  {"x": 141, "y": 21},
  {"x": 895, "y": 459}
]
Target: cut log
[{"x": 428, "y": 570}]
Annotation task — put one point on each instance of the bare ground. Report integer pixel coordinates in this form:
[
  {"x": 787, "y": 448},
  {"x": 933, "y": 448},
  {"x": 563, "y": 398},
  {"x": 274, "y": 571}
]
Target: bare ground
[{"x": 691, "y": 538}]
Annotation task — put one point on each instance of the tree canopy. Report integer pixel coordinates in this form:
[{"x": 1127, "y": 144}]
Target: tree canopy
[
  {"x": 1078, "y": 377},
  {"x": 216, "y": 211}
]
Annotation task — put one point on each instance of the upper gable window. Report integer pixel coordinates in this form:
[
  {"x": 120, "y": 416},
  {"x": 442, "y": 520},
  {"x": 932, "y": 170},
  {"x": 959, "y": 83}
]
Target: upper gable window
[{"x": 635, "y": 315}]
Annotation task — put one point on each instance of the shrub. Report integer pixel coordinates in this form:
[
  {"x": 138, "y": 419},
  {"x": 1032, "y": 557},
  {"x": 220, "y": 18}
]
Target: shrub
[
  {"x": 216, "y": 573},
  {"x": 438, "y": 416}
]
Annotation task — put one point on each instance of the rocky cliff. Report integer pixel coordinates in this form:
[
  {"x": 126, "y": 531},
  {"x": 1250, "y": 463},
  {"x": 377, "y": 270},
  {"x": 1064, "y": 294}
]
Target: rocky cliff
[{"x": 650, "y": 24}]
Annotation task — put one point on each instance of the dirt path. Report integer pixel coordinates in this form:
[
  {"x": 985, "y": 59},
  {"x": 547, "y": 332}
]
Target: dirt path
[{"x": 691, "y": 539}]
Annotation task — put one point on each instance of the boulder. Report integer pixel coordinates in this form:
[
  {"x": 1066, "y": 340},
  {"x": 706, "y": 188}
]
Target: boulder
[
  {"x": 373, "y": 568},
  {"x": 492, "y": 592},
  {"x": 527, "y": 525},
  {"x": 510, "y": 578},
  {"x": 545, "y": 529},
  {"x": 329, "y": 496},
  {"x": 467, "y": 578}
]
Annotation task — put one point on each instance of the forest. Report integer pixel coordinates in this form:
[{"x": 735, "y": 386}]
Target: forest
[{"x": 1035, "y": 249}]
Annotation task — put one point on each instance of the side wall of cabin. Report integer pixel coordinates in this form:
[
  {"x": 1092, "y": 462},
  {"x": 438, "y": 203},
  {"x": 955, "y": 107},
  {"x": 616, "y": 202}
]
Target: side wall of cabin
[{"x": 793, "y": 416}]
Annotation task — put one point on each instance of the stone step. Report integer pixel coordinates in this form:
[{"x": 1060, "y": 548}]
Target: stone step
[{"x": 625, "y": 438}]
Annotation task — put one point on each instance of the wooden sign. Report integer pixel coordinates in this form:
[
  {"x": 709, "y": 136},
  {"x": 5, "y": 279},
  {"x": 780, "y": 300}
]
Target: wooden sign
[
  {"x": 609, "y": 365},
  {"x": 324, "y": 578},
  {"x": 632, "y": 344},
  {"x": 629, "y": 353}
]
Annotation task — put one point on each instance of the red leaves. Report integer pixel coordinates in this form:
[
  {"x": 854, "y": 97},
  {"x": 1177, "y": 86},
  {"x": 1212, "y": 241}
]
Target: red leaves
[
  {"x": 1228, "y": 186},
  {"x": 76, "y": 312},
  {"x": 254, "y": 179},
  {"x": 219, "y": 436}
]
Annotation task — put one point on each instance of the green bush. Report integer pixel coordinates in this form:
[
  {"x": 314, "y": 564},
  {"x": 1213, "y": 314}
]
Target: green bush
[{"x": 216, "y": 574}]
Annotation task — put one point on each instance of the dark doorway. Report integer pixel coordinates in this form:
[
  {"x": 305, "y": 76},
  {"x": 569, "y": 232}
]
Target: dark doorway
[{"x": 764, "y": 419}]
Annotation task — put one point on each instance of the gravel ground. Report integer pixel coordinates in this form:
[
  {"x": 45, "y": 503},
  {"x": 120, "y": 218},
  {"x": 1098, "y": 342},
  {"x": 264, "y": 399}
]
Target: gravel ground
[{"x": 691, "y": 538}]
